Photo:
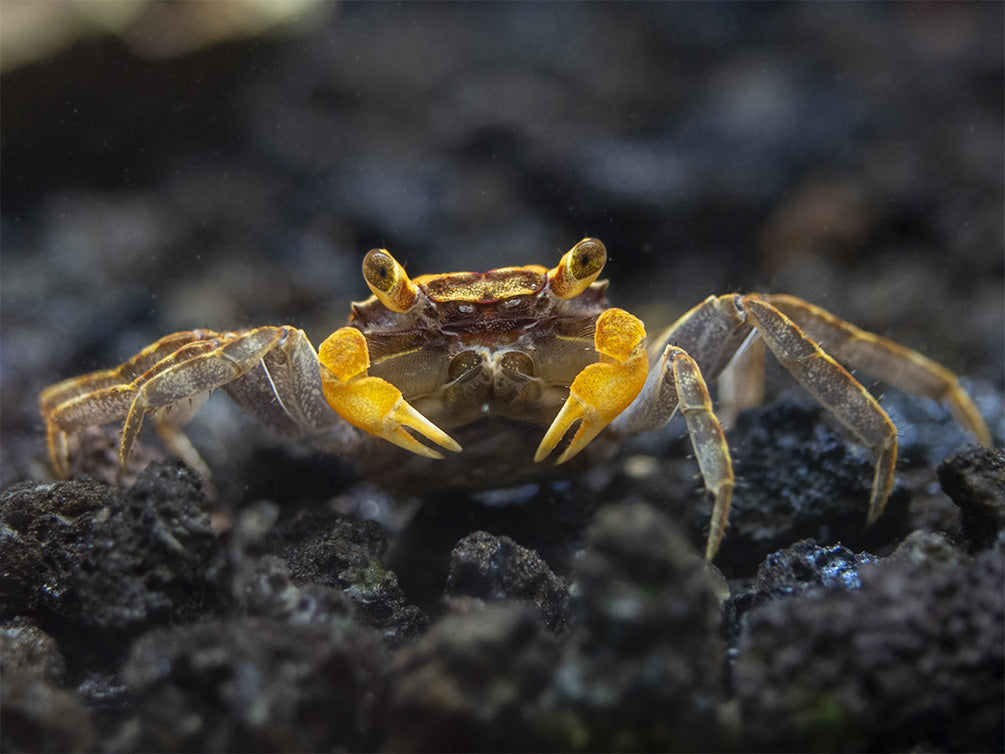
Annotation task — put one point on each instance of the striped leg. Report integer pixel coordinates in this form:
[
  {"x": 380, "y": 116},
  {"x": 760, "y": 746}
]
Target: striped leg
[
  {"x": 101, "y": 397},
  {"x": 884, "y": 359}
]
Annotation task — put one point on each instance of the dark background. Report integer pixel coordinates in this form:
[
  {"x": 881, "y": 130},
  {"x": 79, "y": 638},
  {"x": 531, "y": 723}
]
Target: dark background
[{"x": 186, "y": 170}]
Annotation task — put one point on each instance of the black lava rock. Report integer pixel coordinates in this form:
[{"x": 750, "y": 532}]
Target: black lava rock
[
  {"x": 913, "y": 659},
  {"x": 642, "y": 668},
  {"x": 251, "y": 684},
  {"x": 343, "y": 553},
  {"x": 86, "y": 558},
  {"x": 974, "y": 478},
  {"x": 497, "y": 568},
  {"x": 797, "y": 478},
  {"x": 794, "y": 571},
  {"x": 474, "y": 682},
  {"x": 37, "y": 712}
]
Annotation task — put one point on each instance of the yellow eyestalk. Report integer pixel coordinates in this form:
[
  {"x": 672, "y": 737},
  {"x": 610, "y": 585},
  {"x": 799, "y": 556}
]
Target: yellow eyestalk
[
  {"x": 577, "y": 269},
  {"x": 389, "y": 281}
]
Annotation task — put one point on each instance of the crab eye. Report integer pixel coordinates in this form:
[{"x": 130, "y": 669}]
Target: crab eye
[
  {"x": 578, "y": 268},
  {"x": 388, "y": 280}
]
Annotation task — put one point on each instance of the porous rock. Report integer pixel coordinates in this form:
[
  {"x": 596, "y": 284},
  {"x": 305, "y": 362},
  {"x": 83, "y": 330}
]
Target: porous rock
[
  {"x": 473, "y": 682},
  {"x": 36, "y": 712},
  {"x": 497, "y": 568},
  {"x": 796, "y": 479},
  {"x": 251, "y": 684},
  {"x": 331, "y": 550},
  {"x": 794, "y": 571},
  {"x": 974, "y": 478},
  {"x": 912, "y": 660},
  {"x": 81, "y": 555},
  {"x": 642, "y": 669}
]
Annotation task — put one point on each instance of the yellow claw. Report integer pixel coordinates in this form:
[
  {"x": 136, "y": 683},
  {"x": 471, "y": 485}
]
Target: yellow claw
[
  {"x": 371, "y": 403},
  {"x": 603, "y": 390}
]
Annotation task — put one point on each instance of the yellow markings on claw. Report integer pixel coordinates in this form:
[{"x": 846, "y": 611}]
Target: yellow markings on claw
[
  {"x": 577, "y": 269},
  {"x": 602, "y": 390},
  {"x": 389, "y": 281},
  {"x": 371, "y": 403}
]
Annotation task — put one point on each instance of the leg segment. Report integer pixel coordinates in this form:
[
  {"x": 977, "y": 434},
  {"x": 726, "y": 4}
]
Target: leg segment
[
  {"x": 190, "y": 372},
  {"x": 55, "y": 395},
  {"x": 707, "y": 439},
  {"x": 371, "y": 403},
  {"x": 604, "y": 389},
  {"x": 169, "y": 378},
  {"x": 710, "y": 333},
  {"x": 884, "y": 359},
  {"x": 741, "y": 384},
  {"x": 283, "y": 391},
  {"x": 835, "y": 389},
  {"x": 100, "y": 397}
]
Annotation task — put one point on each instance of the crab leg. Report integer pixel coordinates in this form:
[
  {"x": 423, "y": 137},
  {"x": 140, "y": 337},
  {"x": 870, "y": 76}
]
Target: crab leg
[
  {"x": 101, "y": 396},
  {"x": 283, "y": 391},
  {"x": 835, "y": 389},
  {"x": 711, "y": 333},
  {"x": 372, "y": 403},
  {"x": 602, "y": 390},
  {"x": 707, "y": 438},
  {"x": 874, "y": 355},
  {"x": 186, "y": 374},
  {"x": 741, "y": 383},
  {"x": 53, "y": 396}
]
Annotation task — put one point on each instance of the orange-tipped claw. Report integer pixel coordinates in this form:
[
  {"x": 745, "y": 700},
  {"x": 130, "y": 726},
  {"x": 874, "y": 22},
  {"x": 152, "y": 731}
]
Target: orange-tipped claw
[
  {"x": 603, "y": 390},
  {"x": 371, "y": 403}
]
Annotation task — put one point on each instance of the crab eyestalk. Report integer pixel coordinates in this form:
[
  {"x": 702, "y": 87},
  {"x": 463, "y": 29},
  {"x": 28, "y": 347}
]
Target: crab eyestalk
[
  {"x": 577, "y": 269},
  {"x": 389, "y": 281}
]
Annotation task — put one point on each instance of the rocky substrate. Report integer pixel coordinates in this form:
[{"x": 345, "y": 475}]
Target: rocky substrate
[
  {"x": 162, "y": 179},
  {"x": 130, "y": 624}
]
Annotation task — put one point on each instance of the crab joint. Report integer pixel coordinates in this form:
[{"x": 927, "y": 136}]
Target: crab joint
[{"x": 371, "y": 403}]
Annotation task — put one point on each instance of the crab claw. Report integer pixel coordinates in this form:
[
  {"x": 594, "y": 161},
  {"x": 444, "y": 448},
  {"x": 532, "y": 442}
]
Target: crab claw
[
  {"x": 371, "y": 403},
  {"x": 602, "y": 390}
]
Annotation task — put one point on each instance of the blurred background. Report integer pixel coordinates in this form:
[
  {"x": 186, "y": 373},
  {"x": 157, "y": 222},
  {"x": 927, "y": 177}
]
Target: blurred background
[{"x": 172, "y": 165}]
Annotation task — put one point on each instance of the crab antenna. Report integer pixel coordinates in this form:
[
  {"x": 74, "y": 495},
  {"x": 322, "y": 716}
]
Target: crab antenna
[
  {"x": 577, "y": 269},
  {"x": 389, "y": 281}
]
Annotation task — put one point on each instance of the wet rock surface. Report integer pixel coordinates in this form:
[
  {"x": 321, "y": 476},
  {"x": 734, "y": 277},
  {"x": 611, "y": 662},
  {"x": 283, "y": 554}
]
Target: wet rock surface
[
  {"x": 250, "y": 684},
  {"x": 801, "y": 478},
  {"x": 848, "y": 154},
  {"x": 88, "y": 561},
  {"x": 38, "y": 713},
  {"x": 975, "y": 480},
  {"x": 838, "y": 670},
  {"x": 496, "y": 568}
]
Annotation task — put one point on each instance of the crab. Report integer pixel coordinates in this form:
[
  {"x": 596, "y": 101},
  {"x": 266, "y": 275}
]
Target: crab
[{"x": 504, "y": 360}]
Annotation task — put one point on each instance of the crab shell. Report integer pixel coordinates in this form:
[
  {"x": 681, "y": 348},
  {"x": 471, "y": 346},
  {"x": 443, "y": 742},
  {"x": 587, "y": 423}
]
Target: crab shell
[{"x": 490, "y": 357}]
